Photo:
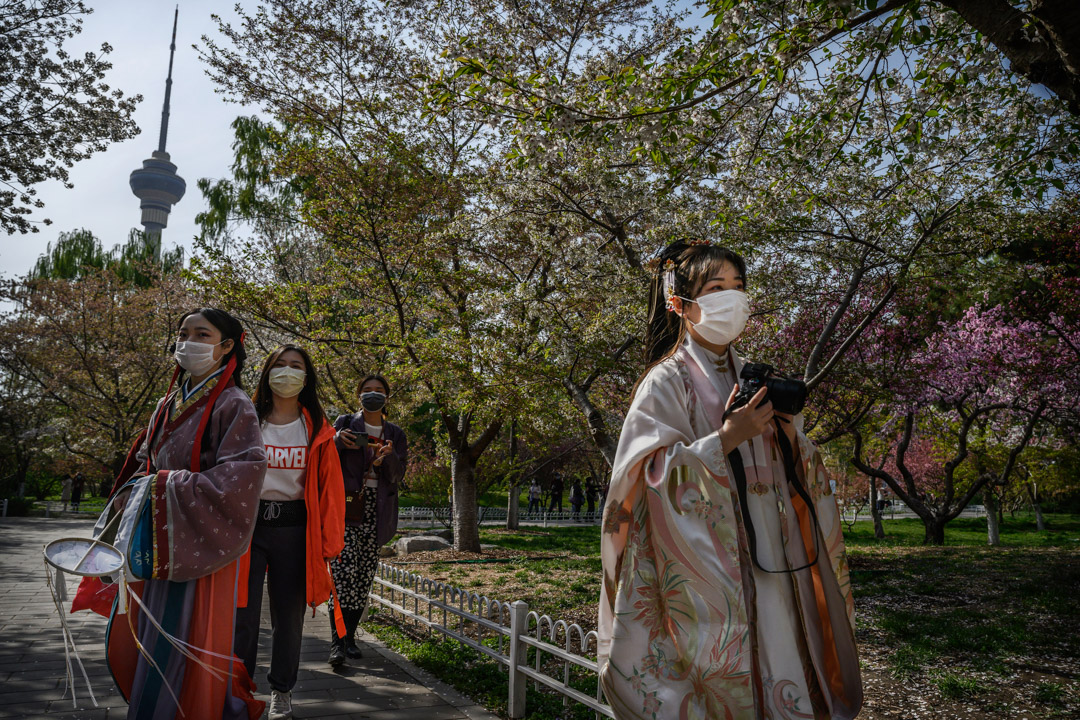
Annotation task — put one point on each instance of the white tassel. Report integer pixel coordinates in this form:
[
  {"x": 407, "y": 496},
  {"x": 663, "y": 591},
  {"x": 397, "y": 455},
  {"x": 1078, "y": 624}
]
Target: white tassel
[
  {"x": 61, "y": 586},
  {"x": 184, "y": 648},
  {"x": 121, "y": 592},
  {"x": 70, "y": 651}
]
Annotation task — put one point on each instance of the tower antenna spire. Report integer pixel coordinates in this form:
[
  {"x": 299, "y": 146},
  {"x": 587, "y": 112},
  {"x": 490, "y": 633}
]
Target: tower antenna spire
[
  {"x": 156, "y": 183},
  {"x": 168, "y": 86}
]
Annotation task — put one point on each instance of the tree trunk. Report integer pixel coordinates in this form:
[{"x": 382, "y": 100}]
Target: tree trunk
[
  {"x": 1036, "y": 505},
  {"x": 514, "y": 491},
  {"x": 993, "y": 525},
  {"x": 512, "y": 508},
  {"x": 935, "y": 531},
  {"x": 879, "y": 529},
  {"x": 20, "y": 475},
  {"x": 463, "y": 479},
  {"x": 598, "y": 429},
  {"x": 116, "y": 466},
  {"x": 1044, "y": 45}
]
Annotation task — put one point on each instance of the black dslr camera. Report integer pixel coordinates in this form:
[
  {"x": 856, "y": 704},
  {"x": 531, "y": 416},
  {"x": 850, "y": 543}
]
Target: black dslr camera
[{"x": 786, "y": 394}]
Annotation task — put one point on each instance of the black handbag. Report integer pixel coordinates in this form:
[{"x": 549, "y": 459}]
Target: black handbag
[{"x": 354, "y": 506}]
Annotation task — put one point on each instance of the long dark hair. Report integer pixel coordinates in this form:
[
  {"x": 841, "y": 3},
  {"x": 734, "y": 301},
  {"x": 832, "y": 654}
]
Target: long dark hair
[
  {"x": 309, "y": 396},
  {"x": 230, "y": 329},
  {"x": 386, "y": 389},
  {"x": 693, "y": 260}
]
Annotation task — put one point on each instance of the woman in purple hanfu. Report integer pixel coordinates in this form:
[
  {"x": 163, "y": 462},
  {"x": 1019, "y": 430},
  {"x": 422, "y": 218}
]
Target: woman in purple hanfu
[{"x": 196, "y": 479}]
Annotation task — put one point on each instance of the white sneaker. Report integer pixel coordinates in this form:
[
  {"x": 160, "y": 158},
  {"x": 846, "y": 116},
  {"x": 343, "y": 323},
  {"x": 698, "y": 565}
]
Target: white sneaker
[{"x": 280, "y": 705}]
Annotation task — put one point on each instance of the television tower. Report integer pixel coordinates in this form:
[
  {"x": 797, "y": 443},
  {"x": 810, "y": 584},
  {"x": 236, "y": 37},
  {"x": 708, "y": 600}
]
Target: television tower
[{"x": 156, "y": 183}]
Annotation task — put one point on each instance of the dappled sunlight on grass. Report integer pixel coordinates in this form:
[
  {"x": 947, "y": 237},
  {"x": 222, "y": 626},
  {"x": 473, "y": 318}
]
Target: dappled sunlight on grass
[{"x": 959, "y": 631}]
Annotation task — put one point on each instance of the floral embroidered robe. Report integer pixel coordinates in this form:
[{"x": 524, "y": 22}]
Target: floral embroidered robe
[
  {"x": 689, "y": 627},
  {"x": 202, "y": 524}
]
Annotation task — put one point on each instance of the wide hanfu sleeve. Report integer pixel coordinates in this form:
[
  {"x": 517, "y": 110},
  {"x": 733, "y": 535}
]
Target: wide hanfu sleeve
[
  {"x": 674, "y": 640},
  {"x": 210, "y": 515}
]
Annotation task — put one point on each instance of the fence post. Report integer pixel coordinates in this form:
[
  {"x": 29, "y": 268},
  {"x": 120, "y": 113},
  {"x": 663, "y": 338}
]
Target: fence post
[
  {"x": 5, "y": 508},
  {"x": 519, "y": 620}
]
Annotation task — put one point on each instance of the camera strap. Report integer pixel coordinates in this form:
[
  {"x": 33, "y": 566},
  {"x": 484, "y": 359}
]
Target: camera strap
[{"x": 737, "y": 469}]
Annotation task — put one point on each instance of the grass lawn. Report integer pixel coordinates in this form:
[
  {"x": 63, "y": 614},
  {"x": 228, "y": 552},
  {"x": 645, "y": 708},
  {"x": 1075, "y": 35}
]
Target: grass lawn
[
  {"x": 967, "y": 630},
  {"x": 960, "y": 631}
]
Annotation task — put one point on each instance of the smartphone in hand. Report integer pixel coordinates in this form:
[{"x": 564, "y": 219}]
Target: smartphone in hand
[{"x": 359, "y": 438}]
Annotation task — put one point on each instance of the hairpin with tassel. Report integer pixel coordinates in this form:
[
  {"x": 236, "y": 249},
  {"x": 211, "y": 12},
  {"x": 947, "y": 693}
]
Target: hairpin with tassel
[{"x": 669, "y": 284}]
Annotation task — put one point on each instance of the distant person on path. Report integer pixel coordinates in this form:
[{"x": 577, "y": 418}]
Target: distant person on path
[
  {"x": 591, "y": 493},
  {"x": 725, "y": 584},
  {"x": 77, "y": 486},
  {"x": 577, "y": 498},
  {"x": 555, "y": 493},
  {"x": 301, "y": 519},
  {"x": 65, "y": 491},
  {"x": 534, "y": 497},
  {"x": 373, "y": 454},
  {"x": 197, "y": 472}
]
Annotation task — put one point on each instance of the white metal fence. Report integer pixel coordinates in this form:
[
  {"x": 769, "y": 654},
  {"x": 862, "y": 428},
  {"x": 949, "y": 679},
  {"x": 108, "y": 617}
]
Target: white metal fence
[
  {"x": 410, "y": 515},
  {"x": 90, "y": 507},
  {"x": 900, "y": 510},
  {"x": 496, "y": 515},
  {"x": 433, "y": 515},
  {"x": 527, "y": 645}
]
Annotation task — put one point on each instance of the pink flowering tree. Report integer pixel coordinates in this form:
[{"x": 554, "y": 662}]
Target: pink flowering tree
[{"x": 968, "y": 401}]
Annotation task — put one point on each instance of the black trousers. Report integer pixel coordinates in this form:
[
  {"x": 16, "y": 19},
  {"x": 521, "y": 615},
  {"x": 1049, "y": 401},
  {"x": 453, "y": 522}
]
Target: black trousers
[{"x": 279, "y": 555}]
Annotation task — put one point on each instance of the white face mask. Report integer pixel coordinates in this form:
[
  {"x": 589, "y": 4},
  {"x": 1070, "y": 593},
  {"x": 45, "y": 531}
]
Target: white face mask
[
  {"x": 195, "y": 357},
  {"x": 286, "y": 381},
  {"x": 723, "y": 316}
]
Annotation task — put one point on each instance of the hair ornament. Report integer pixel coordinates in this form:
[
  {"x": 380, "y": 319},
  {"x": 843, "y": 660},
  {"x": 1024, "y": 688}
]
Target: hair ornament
[
  {"x": 669, "y": 284},
  {"x": 699, "y": 241}
]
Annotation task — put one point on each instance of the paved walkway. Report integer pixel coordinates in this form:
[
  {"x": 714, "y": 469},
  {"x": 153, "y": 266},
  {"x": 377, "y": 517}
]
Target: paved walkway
[{"x": 382, "y": 685}]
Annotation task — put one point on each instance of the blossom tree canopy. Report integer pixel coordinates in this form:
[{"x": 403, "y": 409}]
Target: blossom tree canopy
[
  {"x": 986, "y": 380},
  {"x": 56, "y": 108}
]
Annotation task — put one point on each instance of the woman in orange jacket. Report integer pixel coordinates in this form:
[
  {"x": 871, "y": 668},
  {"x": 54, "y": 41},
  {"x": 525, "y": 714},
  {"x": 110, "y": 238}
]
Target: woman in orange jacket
[{"x": 301, "y": 520}]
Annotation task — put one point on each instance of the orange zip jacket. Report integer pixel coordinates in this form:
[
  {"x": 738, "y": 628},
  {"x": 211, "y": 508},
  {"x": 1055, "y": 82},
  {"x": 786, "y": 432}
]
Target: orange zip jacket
[{"x": 324, "y": 496}]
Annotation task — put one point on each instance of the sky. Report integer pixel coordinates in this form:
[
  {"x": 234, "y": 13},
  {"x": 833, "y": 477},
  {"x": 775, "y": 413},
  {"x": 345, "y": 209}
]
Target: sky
[{"x": 199, "y": 139}]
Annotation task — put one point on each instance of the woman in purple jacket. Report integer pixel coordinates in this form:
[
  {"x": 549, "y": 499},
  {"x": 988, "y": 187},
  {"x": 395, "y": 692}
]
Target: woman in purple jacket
[{"x": 373, "y": 457}]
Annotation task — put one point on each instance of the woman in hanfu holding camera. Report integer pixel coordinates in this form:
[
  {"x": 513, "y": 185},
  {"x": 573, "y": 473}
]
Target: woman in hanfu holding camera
[
  {"x": 725, "y": 590},
  {"x": 373, "y": 459}
]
